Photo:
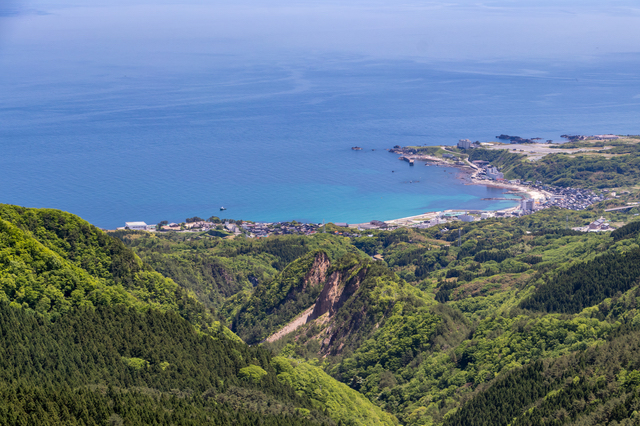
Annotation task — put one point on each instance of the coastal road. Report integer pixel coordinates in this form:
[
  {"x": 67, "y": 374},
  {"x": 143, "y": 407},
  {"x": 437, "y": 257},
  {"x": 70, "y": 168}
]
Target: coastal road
[{"x": 466, "y": 159}]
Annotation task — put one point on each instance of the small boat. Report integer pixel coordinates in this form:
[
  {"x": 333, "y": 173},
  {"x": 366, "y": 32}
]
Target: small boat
[
  {"x": 222, "y": 208},
  {"x": 356, "y": 148}
]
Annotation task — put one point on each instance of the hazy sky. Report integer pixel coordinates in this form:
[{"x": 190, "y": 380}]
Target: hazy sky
[{"x": 421, "y": 30}]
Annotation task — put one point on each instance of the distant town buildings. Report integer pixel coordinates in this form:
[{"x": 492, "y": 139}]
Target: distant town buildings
[
  {"x": 568, "y": 198},
  {"x": 435, "y": 221}
]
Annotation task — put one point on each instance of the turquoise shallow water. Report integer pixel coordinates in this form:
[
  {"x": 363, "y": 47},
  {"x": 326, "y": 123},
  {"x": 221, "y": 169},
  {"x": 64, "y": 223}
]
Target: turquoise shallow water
[{"x": 89, "y": 127}]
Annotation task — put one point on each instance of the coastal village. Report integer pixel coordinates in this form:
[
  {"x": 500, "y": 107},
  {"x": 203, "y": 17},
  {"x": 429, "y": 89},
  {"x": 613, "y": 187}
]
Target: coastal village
[
  {"x": 565, "y": 198},
  {"x": 230, "y": 228},
  {"x": 534, "y": 195},
  {"x": 531, "y": 196}
]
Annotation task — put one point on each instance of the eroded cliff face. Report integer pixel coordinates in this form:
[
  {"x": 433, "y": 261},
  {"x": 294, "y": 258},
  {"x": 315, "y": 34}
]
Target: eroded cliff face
[
  {"x": 338, "y": 287},
  {"x": 318, "y": 272},
  {"x": 276, "y": 303},
  {"x": 352, "y": 297},
  {"x": 336, "y": 292}
]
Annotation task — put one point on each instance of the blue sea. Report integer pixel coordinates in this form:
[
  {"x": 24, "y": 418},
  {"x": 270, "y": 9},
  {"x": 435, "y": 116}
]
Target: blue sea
[{"x": 138, "y": 111}]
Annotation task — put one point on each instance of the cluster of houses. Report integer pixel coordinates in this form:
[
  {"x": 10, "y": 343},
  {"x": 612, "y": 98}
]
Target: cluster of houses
[
  {"x": 260, "y": 230},
  {"x": 249, "y": 228},
  {"x": 566, "y": 198},
  {"x": 192, "y": 226},
  {"x": 569, "y": 198}
]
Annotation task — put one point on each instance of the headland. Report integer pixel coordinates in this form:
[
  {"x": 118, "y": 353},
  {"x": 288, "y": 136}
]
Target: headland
[{"x": 494, "y": 164}]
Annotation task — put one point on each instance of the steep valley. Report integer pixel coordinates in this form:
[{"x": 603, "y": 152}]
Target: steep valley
[
  {"x": 512, "y": 321},
  {"x": 436, "y": 325}
]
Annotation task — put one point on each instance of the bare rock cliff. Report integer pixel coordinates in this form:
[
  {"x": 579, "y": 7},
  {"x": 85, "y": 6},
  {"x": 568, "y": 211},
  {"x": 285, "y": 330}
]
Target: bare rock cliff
[
  {"x": 318, "y": 272},
  {"x": 336, "y": 292}
]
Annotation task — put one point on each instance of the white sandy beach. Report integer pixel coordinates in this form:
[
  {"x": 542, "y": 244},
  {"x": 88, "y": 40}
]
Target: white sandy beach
[{"x": 472, "y": 178}]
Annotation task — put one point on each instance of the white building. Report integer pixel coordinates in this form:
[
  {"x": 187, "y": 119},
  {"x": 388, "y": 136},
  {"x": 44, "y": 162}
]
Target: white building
[
  {"x": 464, "y": 144},
  {"x": 433, "y": 222},
  {"x": 493, "y": 173},
  {"x": 466, "y": 218},
  {"x": 436, "y": 221},
  {"x": 526, "y": 205},
  {"x": 137, "y": 226}
]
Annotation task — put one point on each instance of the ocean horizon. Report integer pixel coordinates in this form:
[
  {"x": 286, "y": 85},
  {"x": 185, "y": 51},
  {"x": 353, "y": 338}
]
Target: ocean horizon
[{"x": 164, "y": 121}]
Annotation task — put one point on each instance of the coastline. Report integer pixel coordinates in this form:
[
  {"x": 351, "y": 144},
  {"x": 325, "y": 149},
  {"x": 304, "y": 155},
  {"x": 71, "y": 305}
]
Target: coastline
[{"x": 469, "y": 173}]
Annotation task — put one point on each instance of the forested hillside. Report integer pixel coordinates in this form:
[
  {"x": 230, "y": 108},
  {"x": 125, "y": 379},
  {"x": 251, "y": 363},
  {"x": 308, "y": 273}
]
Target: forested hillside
[
  {"x": 215, "y": 268},
  {"x": 51, "y": 261},
  {"x": 596, "y": 386},
  {"x": 119, "y": 351},
  {"x": 91, "y": 334},
  {"x": 447, "y": 316},
  {"x": 506, "y": 321}
]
